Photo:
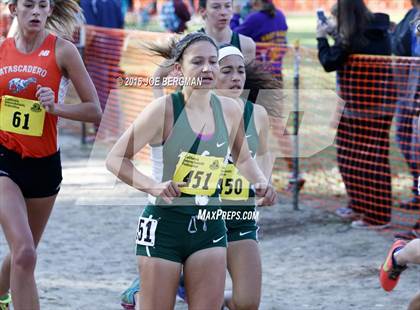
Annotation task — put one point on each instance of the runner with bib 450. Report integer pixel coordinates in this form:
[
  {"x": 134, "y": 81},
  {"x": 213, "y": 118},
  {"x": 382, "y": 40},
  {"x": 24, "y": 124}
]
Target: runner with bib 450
[{"x": 191, "y": 141}]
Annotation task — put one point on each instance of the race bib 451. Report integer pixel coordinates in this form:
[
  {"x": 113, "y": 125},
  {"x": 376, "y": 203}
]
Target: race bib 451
[
  {"x": 201, "y": 173},
  {"x": 22, "y": 116}
]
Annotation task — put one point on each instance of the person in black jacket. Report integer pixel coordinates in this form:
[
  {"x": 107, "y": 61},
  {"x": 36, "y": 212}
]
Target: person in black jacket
[{"x": 363, "y": 130}]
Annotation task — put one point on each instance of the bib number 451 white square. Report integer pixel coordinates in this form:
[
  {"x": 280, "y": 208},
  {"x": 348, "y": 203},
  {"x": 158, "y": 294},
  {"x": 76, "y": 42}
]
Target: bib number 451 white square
[{"x": 146, "y": 231}]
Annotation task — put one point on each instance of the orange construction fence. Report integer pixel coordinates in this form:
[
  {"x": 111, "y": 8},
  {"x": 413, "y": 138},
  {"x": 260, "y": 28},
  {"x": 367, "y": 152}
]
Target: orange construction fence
[
  {"x": 370, "y": 166},
  {"x": 371, "y": 163}
]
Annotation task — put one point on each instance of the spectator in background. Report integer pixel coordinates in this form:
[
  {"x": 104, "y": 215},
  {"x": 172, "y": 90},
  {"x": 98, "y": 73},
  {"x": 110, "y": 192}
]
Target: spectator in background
[
  {"x": 363, "y": 130},
  {"x": 103, "y": 13},
  {"x": 402, "y": 34},
  {"x": 244, "y": 8},
  {"x": 181, "y": 10},
  {"x": 174, "y": 16},
  {"x": 266, "y": 24},
  {"x": 405, "y": 43},
  {"x": 126, "y": 5},
  {"x": 192, "y": 5},
  {"x": 104, "y": 68}
]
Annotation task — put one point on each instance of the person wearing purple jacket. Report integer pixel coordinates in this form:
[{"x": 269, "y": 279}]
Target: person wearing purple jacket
[{"x": 265, "y": 24}]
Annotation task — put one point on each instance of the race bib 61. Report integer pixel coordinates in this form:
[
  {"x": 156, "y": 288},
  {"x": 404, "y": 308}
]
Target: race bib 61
[
  {"x": 22, "y": 116},
  {"x": 201, "y": 173}
]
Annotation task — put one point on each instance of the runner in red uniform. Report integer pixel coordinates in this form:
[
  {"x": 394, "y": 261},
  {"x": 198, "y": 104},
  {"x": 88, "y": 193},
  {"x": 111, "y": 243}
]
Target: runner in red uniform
[{"x": 35, "y": 69}]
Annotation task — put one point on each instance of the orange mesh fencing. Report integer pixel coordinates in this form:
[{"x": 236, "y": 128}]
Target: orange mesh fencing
[
  {"x": 375, "y": 160},
  {"x": 372, "y": 166}
]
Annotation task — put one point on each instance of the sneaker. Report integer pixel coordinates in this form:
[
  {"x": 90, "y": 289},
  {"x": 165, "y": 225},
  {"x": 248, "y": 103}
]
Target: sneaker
[
  {"x": 346, "y": 213},
  {"x": 128, "y": 297},
  {"x": 390, "y": 271},
  {"x": 5, "y": 301},
  {"x": 361, "y": 224}
]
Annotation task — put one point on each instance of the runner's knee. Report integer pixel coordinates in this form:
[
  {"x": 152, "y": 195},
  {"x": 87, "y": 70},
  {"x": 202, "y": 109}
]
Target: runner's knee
[
  {"x": 245, "y": 303},
  {"x": 415, "y": 303},
  {"x": 25, "y": 258}
]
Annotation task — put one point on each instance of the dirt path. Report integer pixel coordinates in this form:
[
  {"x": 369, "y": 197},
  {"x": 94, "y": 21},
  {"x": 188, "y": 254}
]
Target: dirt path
[{"x": 311, "y": 260}]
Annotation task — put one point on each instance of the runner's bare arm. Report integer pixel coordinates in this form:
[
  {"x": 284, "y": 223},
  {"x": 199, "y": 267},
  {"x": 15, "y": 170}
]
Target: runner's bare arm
[
  {"x": 146, "y": 129},
  {"x": 265, "y": 159},
  {"x": 238, "y": 144},
  {"x": 247, "y": 166},
  {"x": 71, "y": 64}
]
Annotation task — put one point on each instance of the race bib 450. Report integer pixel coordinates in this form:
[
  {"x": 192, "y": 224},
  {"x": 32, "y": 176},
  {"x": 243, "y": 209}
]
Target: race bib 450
[{"x": 234, "y": 185}]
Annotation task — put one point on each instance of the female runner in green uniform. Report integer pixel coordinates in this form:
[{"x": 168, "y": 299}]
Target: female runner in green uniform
[
  {"x": 243, "y": 258},
  {"x": 192, "y": 139},
  {"x": 217, "y": 15}
]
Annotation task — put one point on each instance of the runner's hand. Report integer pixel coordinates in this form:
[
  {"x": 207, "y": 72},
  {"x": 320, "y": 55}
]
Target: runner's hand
[
  {"x": 168, "y": 190},
  {"x": 46, "y": 97},
  {"x": 268, "y": 194}
]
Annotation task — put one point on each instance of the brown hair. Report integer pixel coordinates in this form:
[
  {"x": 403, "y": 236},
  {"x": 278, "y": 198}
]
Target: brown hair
[
  {"x": 65, "y": 17},
  {"x": 176, "y": 48},
  {"x": 353, "y": 16},
  {"x": 268, "y": 8},
  {"x": 259, "y": 78}
]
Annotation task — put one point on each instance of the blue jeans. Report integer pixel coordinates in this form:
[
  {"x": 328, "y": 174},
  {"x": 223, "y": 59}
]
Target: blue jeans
[{"x": 407, "y": 130}]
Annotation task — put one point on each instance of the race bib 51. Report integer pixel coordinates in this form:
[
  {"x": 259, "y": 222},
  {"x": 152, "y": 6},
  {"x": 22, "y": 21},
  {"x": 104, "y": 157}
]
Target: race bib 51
[
  {"x": 201, "y": 173},
  {"x": 234, "y": 185},
  {"x": 146, "y": 230},
  {"x": 22, "y": 116}
]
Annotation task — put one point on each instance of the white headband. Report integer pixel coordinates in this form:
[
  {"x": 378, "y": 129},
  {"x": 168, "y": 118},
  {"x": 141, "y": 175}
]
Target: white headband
[{"x": 229, "y": 51}]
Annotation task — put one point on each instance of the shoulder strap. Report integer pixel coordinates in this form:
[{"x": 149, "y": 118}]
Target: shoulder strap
[
  {"x": 50, "y": 42},
  {"x": 177, "y": 104},
  {"x": 219, "y": 116},
  {"x": 248, "y": 110},
  {"x": 235, "y": 41}
]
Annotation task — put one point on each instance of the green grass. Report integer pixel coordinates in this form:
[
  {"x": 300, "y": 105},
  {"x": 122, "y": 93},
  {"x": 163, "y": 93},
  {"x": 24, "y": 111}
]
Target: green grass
[{"x": 301, "y": 27}]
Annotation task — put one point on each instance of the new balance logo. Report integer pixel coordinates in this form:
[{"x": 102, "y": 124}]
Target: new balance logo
[{"x": 44, "y": 53}]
